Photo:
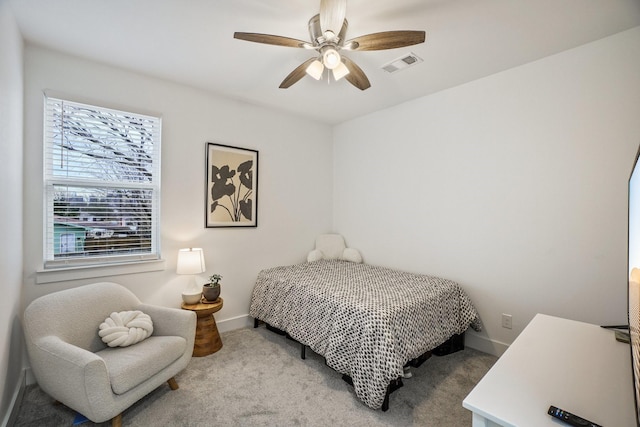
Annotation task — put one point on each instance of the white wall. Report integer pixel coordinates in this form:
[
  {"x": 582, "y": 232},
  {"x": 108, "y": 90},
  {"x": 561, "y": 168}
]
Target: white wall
[
  {"x": 11, "y": 84},
  {"x": 294, "y": 188},
  {"x": 513, "y": 185}
]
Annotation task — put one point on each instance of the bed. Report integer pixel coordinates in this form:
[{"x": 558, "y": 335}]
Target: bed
[{"x": 367, "y": 321}]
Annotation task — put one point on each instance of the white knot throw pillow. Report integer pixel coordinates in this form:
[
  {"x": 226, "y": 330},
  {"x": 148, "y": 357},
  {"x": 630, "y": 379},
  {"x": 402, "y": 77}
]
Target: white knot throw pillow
[{"x": 125, "y": 328}]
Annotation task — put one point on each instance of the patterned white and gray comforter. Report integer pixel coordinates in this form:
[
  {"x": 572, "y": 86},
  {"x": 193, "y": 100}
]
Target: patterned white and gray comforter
[{"x": 366, "y": 321}]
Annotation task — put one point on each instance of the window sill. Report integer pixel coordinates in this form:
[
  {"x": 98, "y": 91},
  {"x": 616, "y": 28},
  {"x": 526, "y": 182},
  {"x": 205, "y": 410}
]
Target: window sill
[{"x": 89, "y": 272}]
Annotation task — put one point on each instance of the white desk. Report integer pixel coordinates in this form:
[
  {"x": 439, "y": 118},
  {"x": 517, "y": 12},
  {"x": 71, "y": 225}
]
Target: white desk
[{"x": 575, "y": 366}]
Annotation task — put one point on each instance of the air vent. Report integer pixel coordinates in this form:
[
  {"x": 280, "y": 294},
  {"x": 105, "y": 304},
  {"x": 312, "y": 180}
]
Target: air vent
[{"x": 402, "y": 63}]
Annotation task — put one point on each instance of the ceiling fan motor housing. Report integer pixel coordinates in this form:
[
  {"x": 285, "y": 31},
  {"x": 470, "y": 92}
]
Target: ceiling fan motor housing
[{"x": 318, "y": 37}]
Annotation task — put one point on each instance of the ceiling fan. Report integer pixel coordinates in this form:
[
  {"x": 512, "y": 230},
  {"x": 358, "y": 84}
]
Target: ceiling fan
[{"x": 328, "y": 30}]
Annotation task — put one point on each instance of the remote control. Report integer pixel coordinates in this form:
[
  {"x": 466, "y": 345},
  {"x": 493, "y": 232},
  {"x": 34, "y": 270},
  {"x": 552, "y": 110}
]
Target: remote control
[{"x": 569, "y": 418}]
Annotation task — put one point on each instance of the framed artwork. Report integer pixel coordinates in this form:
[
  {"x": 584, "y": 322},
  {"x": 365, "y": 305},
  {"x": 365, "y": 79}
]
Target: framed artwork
[{"x": 231, "y": 198}]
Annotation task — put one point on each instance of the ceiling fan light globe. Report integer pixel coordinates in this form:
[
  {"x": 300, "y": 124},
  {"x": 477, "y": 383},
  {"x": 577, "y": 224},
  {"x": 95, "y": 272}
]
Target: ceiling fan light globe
[
  {"x": 340, "y": 71},
  {"x": 331, "y": 58},
  {"x": 315, "y": 69}
]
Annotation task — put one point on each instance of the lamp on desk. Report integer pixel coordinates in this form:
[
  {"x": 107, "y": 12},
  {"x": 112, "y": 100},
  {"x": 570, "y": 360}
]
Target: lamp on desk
[{"x": 191, "y": 261}]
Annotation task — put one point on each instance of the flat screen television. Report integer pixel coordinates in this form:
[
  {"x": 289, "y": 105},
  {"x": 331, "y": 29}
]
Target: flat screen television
[{"x": 633, "y": 276}]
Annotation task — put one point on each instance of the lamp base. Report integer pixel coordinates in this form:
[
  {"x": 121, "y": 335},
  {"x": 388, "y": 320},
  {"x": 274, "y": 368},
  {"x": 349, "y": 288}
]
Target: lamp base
[{"x": 191, "y": 296}]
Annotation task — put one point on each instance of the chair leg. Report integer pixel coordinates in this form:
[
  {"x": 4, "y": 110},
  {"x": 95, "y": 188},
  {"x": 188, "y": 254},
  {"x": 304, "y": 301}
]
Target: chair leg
[
  {"x": 173, "y": 384},
  {"x": 116, "y": 421}
]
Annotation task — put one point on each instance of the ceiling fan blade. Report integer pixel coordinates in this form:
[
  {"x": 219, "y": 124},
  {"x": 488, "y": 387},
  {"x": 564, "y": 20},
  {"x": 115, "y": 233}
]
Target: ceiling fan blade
[
  {"x": 270, "y": 39},
  {"x": 356, "y": 76},
  {"x": 296, "y": 74},
  {"x": 332, "y": 14},
  {"x": 386, "y": 40}
]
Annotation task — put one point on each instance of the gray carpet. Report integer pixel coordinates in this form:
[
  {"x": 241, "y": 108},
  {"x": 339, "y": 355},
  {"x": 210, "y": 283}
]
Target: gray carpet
[{"x": 258, "y": 379}]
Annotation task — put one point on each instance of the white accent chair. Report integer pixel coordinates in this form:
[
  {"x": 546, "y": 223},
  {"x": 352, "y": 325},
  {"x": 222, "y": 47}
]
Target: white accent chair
[{"x": 72, "y": 364}]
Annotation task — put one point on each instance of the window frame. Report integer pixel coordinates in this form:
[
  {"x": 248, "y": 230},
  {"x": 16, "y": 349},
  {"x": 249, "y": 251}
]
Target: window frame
[{"x": 127, "y": 261}]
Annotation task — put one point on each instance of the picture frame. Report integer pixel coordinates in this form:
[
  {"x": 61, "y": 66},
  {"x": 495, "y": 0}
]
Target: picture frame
[{"x": 231, "y": 187}]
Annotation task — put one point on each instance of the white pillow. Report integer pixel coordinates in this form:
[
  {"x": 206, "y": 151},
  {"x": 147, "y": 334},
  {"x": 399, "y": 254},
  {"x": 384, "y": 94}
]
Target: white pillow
[
  {"x": 351, "y": 254},
  {"x": 314, "y": 255},
  {"x": 331, "y": 245},
  {"x": 125, "y": 328}
]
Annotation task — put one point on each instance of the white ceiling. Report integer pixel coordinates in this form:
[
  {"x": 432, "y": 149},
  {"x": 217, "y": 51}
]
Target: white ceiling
[{"x": 192, "y": 42}]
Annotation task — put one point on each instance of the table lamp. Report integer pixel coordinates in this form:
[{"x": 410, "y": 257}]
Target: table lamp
[{"x": 191, "y": 261}]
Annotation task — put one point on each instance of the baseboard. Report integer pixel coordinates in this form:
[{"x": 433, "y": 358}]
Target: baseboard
[
  {"x": 14, "y": 406},
  {"x": 234, "y": 323},
  {"x": 484, "y": 344}
]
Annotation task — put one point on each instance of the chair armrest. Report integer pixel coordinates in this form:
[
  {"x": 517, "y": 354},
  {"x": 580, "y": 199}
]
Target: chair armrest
[
  {"x": 314, "y": 255},
  {"x": 170, "y": 321},
  {"x": 351, "y": 254},
  {"x": 57, "y": 349},
  {"x": 64, "y": 371}
]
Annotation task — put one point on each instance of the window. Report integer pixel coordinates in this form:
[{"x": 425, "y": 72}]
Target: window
[{"x": 102, "y": 185}]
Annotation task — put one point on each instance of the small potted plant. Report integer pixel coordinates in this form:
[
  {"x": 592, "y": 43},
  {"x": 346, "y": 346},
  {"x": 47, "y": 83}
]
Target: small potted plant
[{"x": 211, "y": 290}]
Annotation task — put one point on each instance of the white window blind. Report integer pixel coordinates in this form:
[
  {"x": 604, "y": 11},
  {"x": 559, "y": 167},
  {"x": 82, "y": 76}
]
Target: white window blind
[{"x": 102, "y": 185}]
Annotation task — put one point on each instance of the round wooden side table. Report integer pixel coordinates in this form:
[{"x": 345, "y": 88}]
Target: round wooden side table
[{"x": 207, "y": 336}]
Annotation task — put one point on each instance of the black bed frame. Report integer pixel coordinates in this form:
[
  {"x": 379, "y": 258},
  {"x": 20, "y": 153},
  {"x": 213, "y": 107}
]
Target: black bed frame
[{"x": 453, "y": 344}]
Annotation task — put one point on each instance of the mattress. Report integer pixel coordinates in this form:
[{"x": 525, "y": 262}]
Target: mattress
[{"x": 366, "y": 321}]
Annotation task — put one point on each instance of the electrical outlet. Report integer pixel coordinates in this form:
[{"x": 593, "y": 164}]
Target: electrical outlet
[{"x": 506, "y": 321}]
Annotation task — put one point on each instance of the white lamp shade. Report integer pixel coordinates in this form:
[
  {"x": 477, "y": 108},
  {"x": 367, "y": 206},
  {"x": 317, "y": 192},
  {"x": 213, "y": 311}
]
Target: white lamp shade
[
  {"x": 315, "y": 69},
  {"x": 340, "y": 71},
  {"x": 191, "y": 261}
]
